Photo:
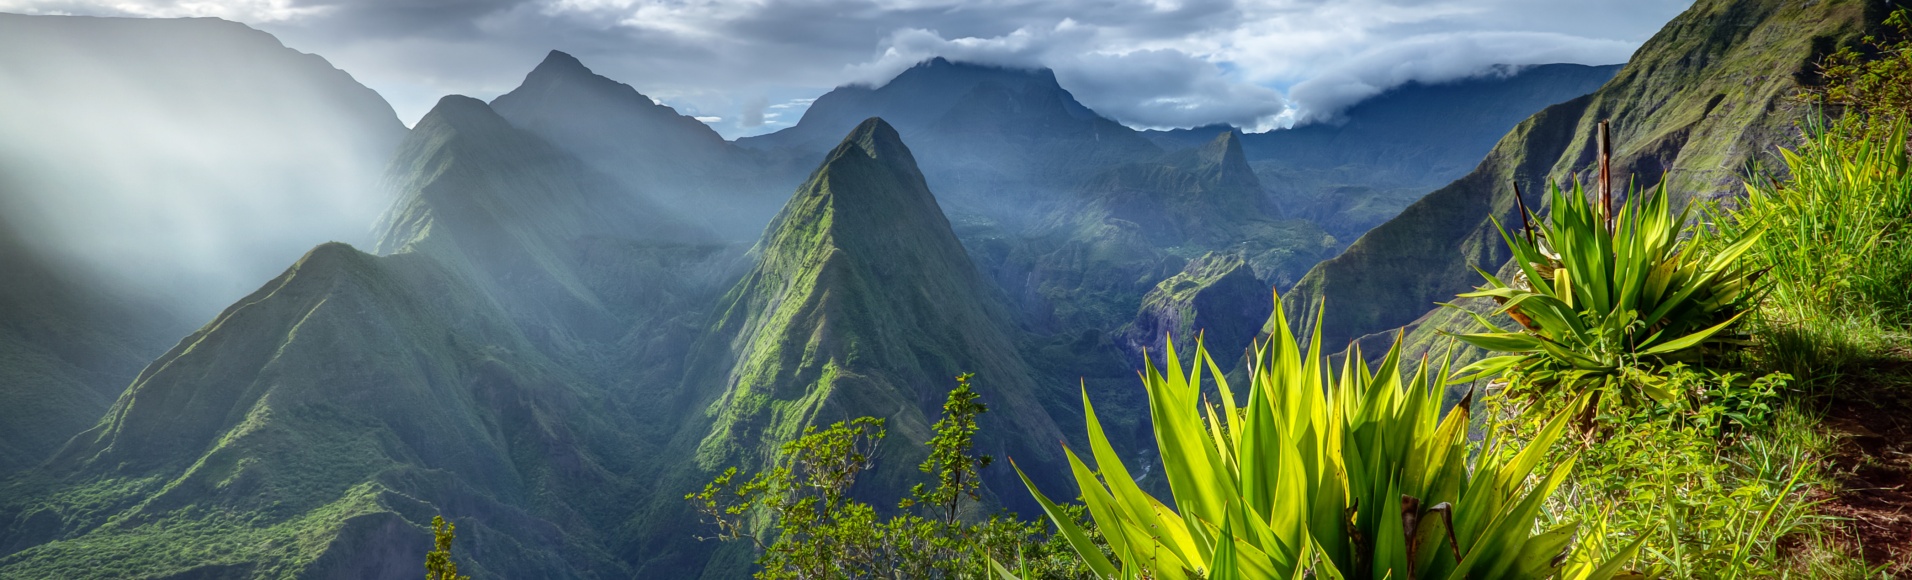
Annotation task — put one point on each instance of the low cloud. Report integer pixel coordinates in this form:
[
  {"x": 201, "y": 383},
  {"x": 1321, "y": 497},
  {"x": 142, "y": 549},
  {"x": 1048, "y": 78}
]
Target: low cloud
[
  {"x": 754, "y": 111},
  {"x": 1437, "y": 58}
]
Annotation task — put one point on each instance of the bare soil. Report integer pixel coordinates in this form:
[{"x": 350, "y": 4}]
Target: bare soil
[{"x": 1872, "y": 463}]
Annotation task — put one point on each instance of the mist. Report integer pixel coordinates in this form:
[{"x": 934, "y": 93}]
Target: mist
[{"x": 184, "y": 161}]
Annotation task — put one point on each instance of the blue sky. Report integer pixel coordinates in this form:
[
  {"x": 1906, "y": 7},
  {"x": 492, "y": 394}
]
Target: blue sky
[{"x": 750, "y": 66}]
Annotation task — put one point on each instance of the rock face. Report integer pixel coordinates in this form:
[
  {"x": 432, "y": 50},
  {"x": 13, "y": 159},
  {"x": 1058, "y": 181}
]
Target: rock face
[
  {"x": 1700, "y": 99},
  {"x": 862, "y": 302},
  {"x": 1216, "y": 297}
]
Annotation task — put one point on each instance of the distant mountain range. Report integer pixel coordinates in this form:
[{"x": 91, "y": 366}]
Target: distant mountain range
[{"x": 578, "y": 303}]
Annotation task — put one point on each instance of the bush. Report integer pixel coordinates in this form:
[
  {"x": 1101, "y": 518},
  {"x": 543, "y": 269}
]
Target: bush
[
  {"x": 1833, "y": 240},
  {"x": 1716, "y": 490},
  {"x": 1605, "y": 302},
  {"x": 816, "y": 530},
  {"x": 1353, "y": 475}
]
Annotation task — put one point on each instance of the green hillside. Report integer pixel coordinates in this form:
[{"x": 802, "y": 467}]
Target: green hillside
[
  {"x": 67, "y": 348},
  {"x": 508, "y": 364},
  {"x": 862, "y": 302},
  {"x": 319, "y": 422},
  {"x": 1706, "y": 95}
]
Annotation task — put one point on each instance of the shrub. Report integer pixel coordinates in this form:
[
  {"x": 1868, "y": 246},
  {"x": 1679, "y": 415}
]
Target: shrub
[
  {"x": 1833, "y": 239},
  {"x": 1873, "y": 79},
  {"x": 817, "y": 530},
  {"x": 1604, "y": 301},
  {"x": 1354, "y": 475},
  {"x": 1708, "y": 502}
]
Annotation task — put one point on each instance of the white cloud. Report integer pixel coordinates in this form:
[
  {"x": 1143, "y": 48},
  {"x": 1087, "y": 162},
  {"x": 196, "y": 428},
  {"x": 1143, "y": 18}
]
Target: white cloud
[{"x": 1143, "y": 62}]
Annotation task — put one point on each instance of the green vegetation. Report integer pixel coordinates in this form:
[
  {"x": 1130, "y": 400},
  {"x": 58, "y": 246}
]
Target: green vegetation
[
  {"x": 1836, "y": 249},
  {"x": 1351, "y": 476},
  {"x": 1693, "y": 106},
  {"x": 1723, "y": 470},
  {"x": 1605, "y": 300},
  {"x": 438, "y": 564},
  {"x": 804, "y": 505},
  {"x": 1869, "y": 78}
]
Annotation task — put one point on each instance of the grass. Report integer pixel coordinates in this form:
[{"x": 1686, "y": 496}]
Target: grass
[{"x": 1837, "y": 250}]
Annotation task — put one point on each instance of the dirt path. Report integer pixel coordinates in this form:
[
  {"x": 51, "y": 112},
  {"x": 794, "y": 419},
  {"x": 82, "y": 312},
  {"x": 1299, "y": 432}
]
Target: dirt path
[{"x": 1873, "y": 466}]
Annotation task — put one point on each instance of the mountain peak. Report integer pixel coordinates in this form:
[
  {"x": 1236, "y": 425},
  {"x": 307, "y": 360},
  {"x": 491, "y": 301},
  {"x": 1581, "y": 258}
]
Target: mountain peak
[
  {"x": 876, "y": 139},
  {"x": 558, "y": 60},
  {"x": 459, "y": 111},
  {"x": 1225, "y": 150},
  {"x": 861, "y": 301}
]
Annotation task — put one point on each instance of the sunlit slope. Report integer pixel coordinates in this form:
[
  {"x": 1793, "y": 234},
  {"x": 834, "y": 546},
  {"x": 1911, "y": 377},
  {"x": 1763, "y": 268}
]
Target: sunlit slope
[
  {"x": 1699, "y": 100},
  {"x": 864, "y": 303},
  {"x": 314, "y": 427},
  {"x": 498, "y": 365},
  {"x": 68, "y": 345}
]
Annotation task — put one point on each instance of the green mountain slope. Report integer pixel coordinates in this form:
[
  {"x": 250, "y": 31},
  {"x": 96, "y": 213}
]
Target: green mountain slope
[
  {"x": 67, "y": 347},
  {"x": 508, "y": 364},
  {"x": 1696, "y": 103},
  {"x": 864, "y": 303},
  {"x": 315, "y": 427}
]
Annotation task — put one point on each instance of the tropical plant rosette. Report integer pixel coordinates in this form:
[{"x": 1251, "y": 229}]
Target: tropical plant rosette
[
  {"x": 1603, "y": 300},
  {"x": 1356, "y": 474}
]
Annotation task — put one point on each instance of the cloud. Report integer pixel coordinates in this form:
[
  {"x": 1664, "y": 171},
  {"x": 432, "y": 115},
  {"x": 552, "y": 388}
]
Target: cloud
[
  {"x": 754, "y": 111},
  {"x": 1148, "y": 63},
  {"x": 1147, "y": 88},
  {"x": 1435, "y": 58}
]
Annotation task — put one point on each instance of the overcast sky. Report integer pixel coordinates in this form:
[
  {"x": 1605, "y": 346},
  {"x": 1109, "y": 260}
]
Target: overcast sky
[{"x": 751, "y": 66}]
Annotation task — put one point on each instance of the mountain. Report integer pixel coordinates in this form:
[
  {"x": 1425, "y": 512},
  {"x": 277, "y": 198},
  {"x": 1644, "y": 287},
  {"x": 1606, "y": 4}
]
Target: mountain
[
  {"x": 1094, "y": 255},
  {"x": 312, "y": 430},
  {"x": 505, "y": 206},
  {"x": 68, "y": 345},
  {"x": 992, "y": 139},
  {"x": 1706, "y": 95},
  {"x": 648, "y": 147},
  {"x": 863, "y": 302},
  {"x": 500, "y": 364},
  {"x": 1216, "y": 297},
  {"x": 187, "y": 158},
  {"x": 1351, "y": 173}
]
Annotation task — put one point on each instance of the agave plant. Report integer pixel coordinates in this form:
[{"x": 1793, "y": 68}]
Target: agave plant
[
  {"x": 1604, "y": 299},
  {"x": 1348, "y": 475}
]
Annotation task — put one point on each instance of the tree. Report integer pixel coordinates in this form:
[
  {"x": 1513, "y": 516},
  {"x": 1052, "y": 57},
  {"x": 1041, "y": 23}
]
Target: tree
[
  {"x": 1874, "y": 78},
  {"x": 805, "y": 525},
  {"x": 438, "y": 564}
]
